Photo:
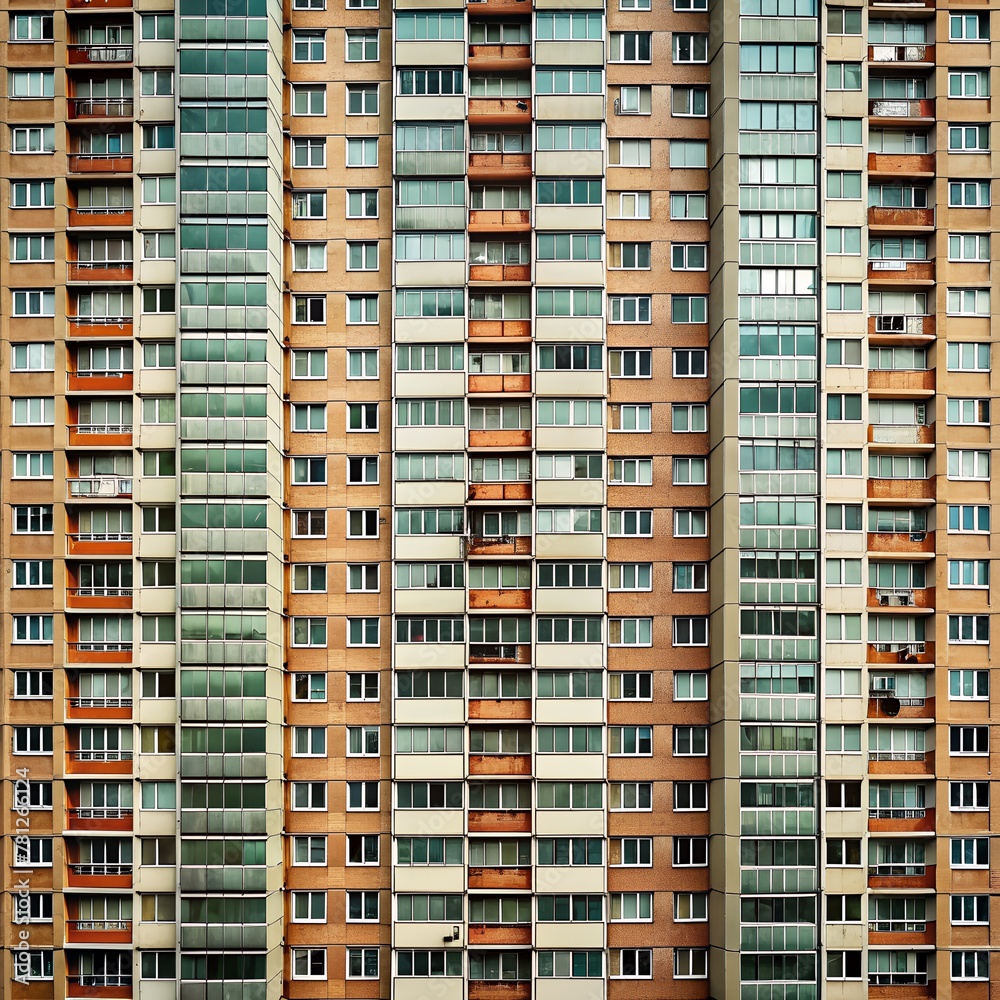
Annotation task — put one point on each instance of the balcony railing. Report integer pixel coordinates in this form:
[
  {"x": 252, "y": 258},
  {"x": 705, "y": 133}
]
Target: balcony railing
[
  {"x": 101, "y": 321},
  {"x": 100, "y": 163},
  {"x": 895, "y": 597},
  {"x": 901, "y": 108},
  {"x": 900, "y": 53},
  {"x": 913, "y": 813},
  {"x": 95, "y": 373},
  {"x": 98, "y": 980},
  {"x": 105, "y": 869},
  {"x": 100, "y": 536},
  {"x": 100, "y": 486},
  {"x": 101, "y": 647},
  {"x": 100, "y": 925},
  {"x": 897, "y": 870},
  {"x": 99, "y": 53},
  {"x": 100, "y": 812},
  {"x": 878, "y": 693},
  {"x": 100, "y": 702},
  {"x": 102, "y": 756},
  {"x": 101, "y": 428},
  {"x": 101, "y": 107},
  {"x": 897, "y": 978},
  {"x": 897, "y": 755}
]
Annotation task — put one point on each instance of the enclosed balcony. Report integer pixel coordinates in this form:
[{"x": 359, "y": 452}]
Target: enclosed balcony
[
  {"x": 495, "y": 424},
  {"x": 100, "y": 259},
  {"x": 500, "y": 46},
  {"x": 899, "y": 807},
  {"x": 99, "y": 368},
  {"x": 100, "y": 163},
  {"x": 101, "y": 205},
  {"x": 99, "y": 695},
  {"x": 99, "y": 749},
  {"x": 101, "y": 423},
  {"x": 902, "y": 164},
  {"x": 100, "y": 638},
  {"x": 500, "y": 211},
  {"x": 500, "y": 695},
  {"x": 499, "y": 533},
  {"x": 100, "y": 42},
  {"x": 503, "y": 477},
  {"x": 899, "y": 864},
  {"x": 903, "y": 651},
  {"x": 499, "y": 260},
  {"x": 901, "y": 111},
  {"x": 100, "y": 862},
  {"x": 500, "y": 750},
  {"x": 100, "y": 974},
  {"x": 500, "y": 639},
  {"x": 889, "y": 382},
  {"x": 499, "y": 99},
  {"x": 889, "y": 55},
  {"x": 99, "y": 585},
  {"x": 100, "y": 531}
]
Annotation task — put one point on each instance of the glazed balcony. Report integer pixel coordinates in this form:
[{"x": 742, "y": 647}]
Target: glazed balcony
[
  {"x": 487, "y": 166},
  {"x": 99, "y": 931},
  {"x": 487, "y": 989},
  {"x": 100, "y": 435},
  {"x": 904, "y": 490},
  {"x": 887, "y": 110},
  {"x": 500, "y": 708},
  {"x": 499, "y": 652},
  {"x": 104, "y": 327},
  {"x": 499, "y": 821},
  {"x": 91, "y": 217},
  {"x": 497, "y": 328},
  {"x": 99, "y": 163},
  {"x": 885, "y": 705},
  {"x": 901, "y": 652},
  {"x": 500, "y": 491},
  {"x": 499, "y": 272},
  {"x": 902, "y": 164},
  {"x": 100, "y": 107},
  {"x": 903, "y": 933},
  {"x": 105, "y": 487},
  {"x": 901, "y": 876},
  {"x": 902, "y": 383},
  {"x": 101, "y": 271},
  {"x": 890, "y": 272},
  {"x": 498, "y": 545},
  {"x": 908, "y": 434},
  {"x": 102, "y": 598},
  {"x": 99, "y": 55},
  {"x": 499, "y": 934},
  {"x": 99, "y": 381},
  {"x": 485, "y": 112},
  {"x": 500, "y": 878},
  {"x": 918, "y": 819},
  {"x": 103, "y": 876},
  {"x": 500, "y": 763},
  {"x": 100, "y": 819},
  {"x": 908, "y": 219},
  {"x": 905, "y": 55}
]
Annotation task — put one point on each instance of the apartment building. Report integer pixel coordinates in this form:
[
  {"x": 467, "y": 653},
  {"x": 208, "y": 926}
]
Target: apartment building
[{"x": 496, "y": 499}]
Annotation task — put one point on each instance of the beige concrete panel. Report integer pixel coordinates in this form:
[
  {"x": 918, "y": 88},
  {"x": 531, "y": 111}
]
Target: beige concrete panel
[
  {"x": 156, "y": 711},
  {"x": 442, "y": 329},
  {"x": 570, "y": 935},
  {"x": 156, "y": 491},
  {"x": 569, "y": 822},
  {"x": 424, "y": 273},
  {"x": 156, "y": 216},
  {"x": 150, "y": 879},
  {"x": 430, "y": 438},
  {"x": 569, "y": 710},
  {"x": 571, "y": 383},
  {"x": 578, "y": 162},
  {"x": 155, "y": 823},
  {"x": 413, "y": 988},
  {"x": 558, "y": 654},
  {"x": 430, "y": 494},
  {"x": 428, "y": 878},
  {"x": 157, "y": 161},
  {"x": 569, "y": 601},
  {"x": 429, "y": 655},
  {"x": 561, "y": 272},
  {"x": 569, "y": 767},
  {"x": 421, "y": 822},
  {"x": 578, "y": 492},
  {"x": 156, "y": 600},
  {"x": 158, "y": 381},
  {"x": 421, "y": 548},
  {"x": 572, "y": 546},
  {"x": 430, "y": 385},
  {"x": 446, "y": 602},
  {"x": 431, "y": 711},
  {"x": 569, "y": 53},
  {"x": 413, "y": 766},
  {"x": 155, "y": 935},
  {"x": 427, "y": 53},
  {"x": 154, "y": 53},
  {"x": 575, "y": 438},
  {"x": 573, "y": 217},
  {"x": 569, "y": 107},
  {"x": 575, "y": 878},
  {"x": 443, "y": 108},
  {"x": 566, "y": 329}
]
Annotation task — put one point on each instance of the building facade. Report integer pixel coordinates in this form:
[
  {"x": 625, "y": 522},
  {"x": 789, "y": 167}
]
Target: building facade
[{"x": 495, "y": 500}]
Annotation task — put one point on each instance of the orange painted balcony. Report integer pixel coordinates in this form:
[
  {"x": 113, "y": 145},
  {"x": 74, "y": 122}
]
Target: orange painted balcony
[
  {"x": 483, "y": 989},
  {"x": 490, "y": 166},
  {"x": 900, "y": 434},
  {"x": 901, "y": 110},
  {"x": 901, "y": 542},
  {"x": 111, "y": 598},
  {"x": 499, "y": 878},
  {"x": 108, "y": 217},
  {"x": 514, "y": 600},
  {"x": 99, "y": 931},
  {"x": 99, "y": 270},
  {"x": 499, "y": 383},
  {"x": 99, "y": 381},
  {"x": 500, "y": 763},
  {"x": 900, "y": 218},
  {"x": 499, "y": 272},
  {"x": 499, "y": 821},
  {"x": 99, "y": 652},
  {"x": 902, "y": 876},
  {"x": 500, "y": 111},
  {"x": 106, "y": 327},
  {"x": 99, "y": 762},
  {"x": 500, "y": 328},
  {"x": 98, "y": 708},
  {"x": 500, "y": 708},
  {"x": 497, "y": 221},
  {"x": 508, "y": 934},
  {"x": 523, "y": 7},
  {"x": 500, "y": 439},
  {"x": 901, "y": 763},
  {"x": 100, "y": 107},
  {"x": 893, "y": 271},
  {"x": 901, "y": 381},
  {"x": 910, "y": 932},
  {"x": 884, "y": 705},
  {"x": 900, "y": 328},
  {"x": 98, "y": 55},
  {"x": 482, "y": 55},
  {"x": 92, "y": 543},
  {"x": 87, "y": 876},
  {"x": 101, "y": 986},
  {"x": 901, "y": 820},
  {"x": 503, "y": 545},
  {"x": 99, "y": 818},
  {"x": 100, "y": 435},
  {"x": 903, "y": 164},
  {"x": 908, "y": 54},
  {"x": 97, "y": 163},
  {"x": 901, "y": 652},
  {"x": 890, "y": 598},
  {"x": 500, "y": 491},
  {"x": 901, "y": 489},
  {"x": 496, "y": 652}
]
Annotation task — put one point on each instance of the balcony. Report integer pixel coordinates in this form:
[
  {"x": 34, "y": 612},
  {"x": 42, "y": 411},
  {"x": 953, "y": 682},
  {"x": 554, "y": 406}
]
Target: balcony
[
  {"x": 499, "y": 652},
  {"x": 499, "y": 821},
  {"x": 906, "y": 54},
  {"x": 100, "y": 818},
  {"x": 901, "y": 652},
  {"x": 499, "y": 934},
  {"x": 99, "y": 931},
  {"x": 104, "y": 327},
  {"x": 499, "y": 439},
  {"x": 510, "y": 600},
  {"x": 98, "y": 55},
  {"x": 500, "y": 491},
  {"x": 484, "y": 166},
  {"x": 908, "y": 434},
  {"x": 100, "y": 107},
  {"x": 519, "y": 7},
  {"x": 900, "y": 762},
  {"x": 904, "y": 490},
  {"x": 502, "y": 764},
  {"x": 98, "y": 543},
  {"x": 901, "y": 218},
  {"x": 106, "y": 487},
  {"x": 98, "y": 163},
  {"x": 903, "y": 933},
  {"x": 98, "y": 708},
  {"x": 500, "y": 708},
  {"x": 901, "y": 110},
  {"x": 497, "y": 328},
  {"x": 92, "y": 5},
  {"x": 891, "y": 272},
  {"x": 499, "y": 221},
  {"x": 909, "y": 820},
  {"x": 487, "y": 989},
  {"x": 99, "y": 652},
  {"x": 88, "y": 876},
  {"x": 884, "y": 705},
  {"x": 100, "y": 217},
  {"x": 99, "y": 381},
  {"x": 906, "y": 598},
  {"x": 485, "y": 57},
  {"x": 496, "y": 111},
  {"x": 498, "y": 545},
  {"x": 499, "y": 383},
  {"x": 99, "y": 270},
  {"x": 901, "y": 876},
  {"x": 902, "y": 383},
  {"x": 111, "y": 598},
  {"x": 106, "y": 985},
  {"x": 902, "y": 164},
  {"x": 100, "y": 435},
  {"x": 499, "y": 878},
  {"x": 100, "y": 762}
]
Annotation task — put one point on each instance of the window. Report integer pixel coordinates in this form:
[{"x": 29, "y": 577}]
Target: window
[
  {"x": 32, "y": 629},
  {"x": 308, "y": 204},
  {"x": 362, "y": 469},
  {"x": 843, "y": 298},
  {"x": 32, "y": 465},
  {"x": 308, "y": 46},
  {"x": 33, "y": 520},
  {"x": 159, "y": 300},
  {"x": 843, "y": 131},
  {"x": 968, "y": 138},
  {"x": 843, "y": 683},
  {"x": 309, "y": 632},
  {"x": 362, "y": 795},
  {"x": 33, "y": 684},
  {"x": 689, "y": 206},
  {"x": 969, "y": 27},
  {"x": 308, "y": 578},
  {"x": 33, "y": 302},
  {"x": 308, "y": 471},
  {"x": 31, "y": 28},
  {"x": 843, "y": 795},
  {"x": 968, "y": 357},
  {"x": 843, "y": 739},
  {"x": 32, "y": 573},
  {"x": 32, "y": 194},
  {"x": 158, "y": 137},
  {"x": 630, "y": 576},
  {"x": 969, "y": 796},
  {"x": 630, "y": 523},
  {"x": 309, "y": 963},
  {"x": 690, "y": 796},
  {"x": 308, "y": 850},
  {"x": 308, "y": 524},
  {"x": 362, "y": 848},
  {"x": 970, "y": 965},
  {"x": 630, "y": 471},
  {"x": 968, "y": 301},
  {"x": 843, "y": 76},
  {"x": 690, "y": 852},
  {"x": 970, "y": 910},
  {"x": 969, "y": 83},
  {"x": 843, "y": 184},
  {"x": 843, "y": 21},
  {"x": 308, "y": 309},
  {"x": 690, "y": 686},
  {"x": 32, "y": 740},
  {"x": 308, "y": 256},
  {"x": 690, "y": 471},
  {"x": 688, "y": 153},
  {"x": 362, "y": 45},
  {"x": 690, "y": 47},
  {"x": 628, "y": 204},
  {"x": 689, "y": 102},
  {"x": 690, "y": 524},
  {"x": 634, "y": 100},
  {"x": 690, "y": 631},
  {"x": 690, "y": 741},
  {"x": 970, "y": 852},
  {"x": 30, "y": 83},
  {"x": 362, "y": 523},
  {"x": 362, "y": 99},
  {"x": 33, "y": 139},
  {"x": 309, "y": 796},
  {"x": 690, "y": 963},
  {"x": 309, "y": 907},
  {"x": 969, "y": 247},
  {"x": 362, "y": 309},
  {"x": 968, "y": 741},
  {"x": 362, "y": 963},
  {"x": 843, "y": 964},
  {"x": 32, "y": 249},
  {"x": 631, "y": 46},
  {"x": 308, "y": 152},
  {"x": 309, "y": 687},
  {"x": 968, "y": 685},
  {"x": 843, "y": 852},
  {"x": 362, "y": 631},
  {"x": 308, "y": 364},
  {"x": 636, "y": 363},
  {"x": 308, "y": 99},
  {"x": 690, "y": 362},
  {"x": 310, "y": 741}
]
